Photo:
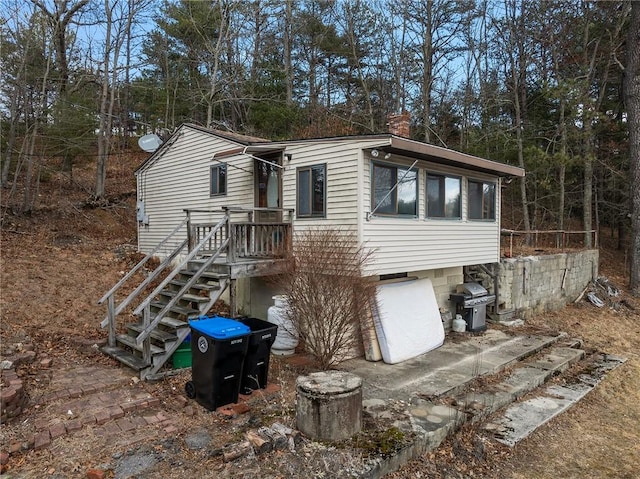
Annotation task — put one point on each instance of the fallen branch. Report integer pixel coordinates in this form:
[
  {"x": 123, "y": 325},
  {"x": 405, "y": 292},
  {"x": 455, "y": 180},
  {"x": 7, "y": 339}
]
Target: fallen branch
[
  {"x": 234, "y": 451},
  {"x": 260, "y": 442},
  {"x": 581, "y": 295}
]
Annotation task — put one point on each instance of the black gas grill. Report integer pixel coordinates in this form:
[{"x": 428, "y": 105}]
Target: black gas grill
[{"x": 471, "y": 300}]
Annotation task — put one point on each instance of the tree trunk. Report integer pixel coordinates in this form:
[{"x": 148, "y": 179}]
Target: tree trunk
[
  {"x": 563, "y": 165},
  {"x": 103, "y": 125},
  {"x": 59, "y": 20},
  {"x": 518, "y": 90},
  {"x": 632, "y": 102},
  {"x": 587, "y": 193},
  {"x": 11, "y": 137},
  {"x": 427, "y": 72},
  {"x": 288, "y": 65},
  {"x": 215, "y": 67}
]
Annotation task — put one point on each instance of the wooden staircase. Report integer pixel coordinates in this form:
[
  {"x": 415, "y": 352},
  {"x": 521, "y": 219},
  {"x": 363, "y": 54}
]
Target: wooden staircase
[
  {"x": 158, "y": 321},
  {"x": 173, "y": 327}
]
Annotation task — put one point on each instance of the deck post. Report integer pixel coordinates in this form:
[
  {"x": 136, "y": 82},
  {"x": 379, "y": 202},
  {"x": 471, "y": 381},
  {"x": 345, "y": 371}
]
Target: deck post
[
  {"x": 191, "y": 233},
  {"x": 111, "y": 314},
  {"x": 146, "y": 345},
  {"x": 233, "y": 300}
]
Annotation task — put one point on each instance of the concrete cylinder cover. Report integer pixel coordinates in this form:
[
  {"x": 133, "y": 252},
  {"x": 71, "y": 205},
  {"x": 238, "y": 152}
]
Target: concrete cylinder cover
[{"x": 329, "y": 405}]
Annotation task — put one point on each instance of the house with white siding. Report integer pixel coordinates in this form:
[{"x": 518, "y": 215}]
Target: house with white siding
[{"x": 426, "y": 211}]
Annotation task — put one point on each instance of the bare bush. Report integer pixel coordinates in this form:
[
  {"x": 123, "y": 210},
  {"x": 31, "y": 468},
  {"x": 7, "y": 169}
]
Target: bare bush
[{"x": 327, "y": 293}]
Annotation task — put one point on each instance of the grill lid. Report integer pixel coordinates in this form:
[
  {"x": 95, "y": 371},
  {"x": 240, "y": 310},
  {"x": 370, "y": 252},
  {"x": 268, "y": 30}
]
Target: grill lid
[{"x": 472, "y": 290}]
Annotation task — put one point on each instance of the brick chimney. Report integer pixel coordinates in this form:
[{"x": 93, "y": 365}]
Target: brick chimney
[{"x": 399, "y": 124}]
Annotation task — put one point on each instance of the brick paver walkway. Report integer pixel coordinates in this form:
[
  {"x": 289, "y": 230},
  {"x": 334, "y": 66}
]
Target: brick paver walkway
[{"x": 100, "y": 396}]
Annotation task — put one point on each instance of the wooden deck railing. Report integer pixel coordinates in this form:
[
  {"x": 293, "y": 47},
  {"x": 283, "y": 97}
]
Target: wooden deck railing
[
  {"x": 559, "y": 239},
  {"x": 249, "y": 238}
]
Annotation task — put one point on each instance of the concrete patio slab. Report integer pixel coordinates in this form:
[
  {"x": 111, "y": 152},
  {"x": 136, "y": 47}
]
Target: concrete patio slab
[{"x": 448, "y": 369}]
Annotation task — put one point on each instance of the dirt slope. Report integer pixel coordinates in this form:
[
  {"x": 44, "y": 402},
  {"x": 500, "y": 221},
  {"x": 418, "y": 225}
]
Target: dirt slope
[{"x": 56, "y": 264}]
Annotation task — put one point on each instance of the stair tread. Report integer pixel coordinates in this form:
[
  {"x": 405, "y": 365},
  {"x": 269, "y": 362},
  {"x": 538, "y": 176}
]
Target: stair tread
[
  {"x": 158, "y": 334},
  {"x": 206, "y": 274},
  {"x": 202, "y": 286},
  {"x": 131, "y": 342},
  {"x": 177, "y": 309},
  {"x": 173, "y": 322},
  {"x": 187, "y": 297},
  {"x": 520, "y": 419},
  {"x": 125, "y": 357}
]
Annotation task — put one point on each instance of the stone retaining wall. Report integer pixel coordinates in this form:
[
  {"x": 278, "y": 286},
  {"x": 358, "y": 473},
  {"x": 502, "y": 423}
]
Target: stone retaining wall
[{"x": 534, "y": 284}]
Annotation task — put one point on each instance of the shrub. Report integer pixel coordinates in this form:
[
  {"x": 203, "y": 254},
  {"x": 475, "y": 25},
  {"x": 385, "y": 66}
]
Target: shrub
[{"x": 327, "y": 293}]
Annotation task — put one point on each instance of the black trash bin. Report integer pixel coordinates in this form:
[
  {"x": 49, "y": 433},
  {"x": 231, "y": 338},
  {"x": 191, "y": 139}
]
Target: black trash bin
[
  {"x": 256, "y": 362},
  {"x": 218, "y": 348}
]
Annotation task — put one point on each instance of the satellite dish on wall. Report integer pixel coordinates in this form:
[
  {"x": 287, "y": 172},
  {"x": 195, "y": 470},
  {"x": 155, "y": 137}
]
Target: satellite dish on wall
[{"x": 149, "y": 143}]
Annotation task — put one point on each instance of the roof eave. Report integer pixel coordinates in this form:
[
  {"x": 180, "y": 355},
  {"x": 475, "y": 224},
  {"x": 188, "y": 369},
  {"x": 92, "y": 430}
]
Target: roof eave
[{"x": 427, "y": 152}]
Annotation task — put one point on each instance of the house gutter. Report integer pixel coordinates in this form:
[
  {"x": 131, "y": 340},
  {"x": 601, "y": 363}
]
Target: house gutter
[{"x": 436, "y": 154}]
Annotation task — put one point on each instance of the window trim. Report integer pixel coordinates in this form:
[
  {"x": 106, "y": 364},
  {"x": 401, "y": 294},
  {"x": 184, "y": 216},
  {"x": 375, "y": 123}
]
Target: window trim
[
  {"x": 310, "y": 168},
  {"x": 217, "y": 168},
  {"x": 495, "y": 199},
  {"x": 426, "y": 196},
  {"x": 396, "y": 166}
]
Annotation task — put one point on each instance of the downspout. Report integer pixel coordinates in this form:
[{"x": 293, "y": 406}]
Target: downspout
[{"x": 360, "y": 195}]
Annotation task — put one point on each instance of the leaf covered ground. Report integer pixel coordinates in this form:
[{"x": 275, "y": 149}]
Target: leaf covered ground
[{"x": 57, "y": 262}]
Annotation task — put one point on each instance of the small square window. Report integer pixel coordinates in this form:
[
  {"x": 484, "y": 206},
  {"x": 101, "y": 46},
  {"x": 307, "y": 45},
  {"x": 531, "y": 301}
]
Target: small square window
[
  {"x": 312, "y": 196},
  {"x": 218, "y": 183},
  {"x": 482, "y": 200}
]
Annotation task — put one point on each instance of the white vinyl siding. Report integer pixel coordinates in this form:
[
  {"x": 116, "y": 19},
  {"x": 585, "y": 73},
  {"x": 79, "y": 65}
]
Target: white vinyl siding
[
  {"x": 341, "y": 182},
  {"x": 417, "y": 244},
  {"x": 179, "y": 179}
]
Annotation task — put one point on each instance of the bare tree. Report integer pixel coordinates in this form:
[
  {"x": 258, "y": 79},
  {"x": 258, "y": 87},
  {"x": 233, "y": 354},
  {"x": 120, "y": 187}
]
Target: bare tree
[
  {"x": 632, "y": 103},
  {"x": 434, "y": 28},
  {"x": 288, "y": 47},
  {"x": 119, "y": 16},
  {"x": 358, "y": 21},
  {"x": 16, "y": 52},
  {"x": 29, "y": 194},
  {"x": 513, "y": 38},
  {"x": 59, "y": 18}
]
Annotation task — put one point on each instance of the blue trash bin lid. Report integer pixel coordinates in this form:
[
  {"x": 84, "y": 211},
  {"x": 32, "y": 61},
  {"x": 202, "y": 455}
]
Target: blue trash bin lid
[{"x": 219, "y": 328}]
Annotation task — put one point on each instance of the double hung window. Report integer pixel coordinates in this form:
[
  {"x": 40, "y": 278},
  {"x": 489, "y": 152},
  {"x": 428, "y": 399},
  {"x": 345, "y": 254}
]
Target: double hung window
[
  {"x": 218, "y": 180},
  {"x": 312, "y": 201}
]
